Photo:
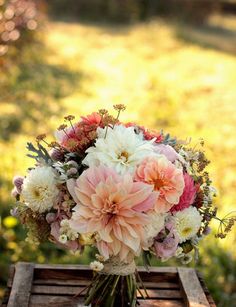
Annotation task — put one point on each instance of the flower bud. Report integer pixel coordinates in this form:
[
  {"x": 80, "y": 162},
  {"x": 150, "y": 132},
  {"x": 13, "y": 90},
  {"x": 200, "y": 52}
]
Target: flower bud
[
  {"x": 50, "y": 217},
  {"x": 14, "y": 192},
  {"x": 18, "y": 181},
  {"x": 56, "y": 154},
  {"x": 71, "y": 171}
]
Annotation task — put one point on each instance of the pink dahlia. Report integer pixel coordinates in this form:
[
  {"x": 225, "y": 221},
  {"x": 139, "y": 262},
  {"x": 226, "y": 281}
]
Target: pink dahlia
[
  {"x": 92, "y": 119},
  {"x": 165, "y": 178},
  {"x": 81, "y": 135},
  {"x": 113, "y": 207},
  {"x": 188, "y": 196}
]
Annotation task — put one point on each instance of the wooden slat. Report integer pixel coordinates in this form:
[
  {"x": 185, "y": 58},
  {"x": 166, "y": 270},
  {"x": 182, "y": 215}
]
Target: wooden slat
[
  {"x": 87, "y": 268},
  {"x": 54, "y": 301},
  {"x": 161, "y": 303},
  {"x": 62, "y": 301},
  {"x": 78, "y": 272},
  {"x": 205, "y": 289},
  {"x": 74, "y": 282},
  {"x": 60, "y": 290},
  {"x": 193, "y": 292},
  {"x": 11, "y": 275},
  {"x": 20, "y": 292}
]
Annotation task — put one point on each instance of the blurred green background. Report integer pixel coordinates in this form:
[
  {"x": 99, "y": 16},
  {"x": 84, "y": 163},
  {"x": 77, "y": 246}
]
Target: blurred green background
[{"x": 173, "y": 65}]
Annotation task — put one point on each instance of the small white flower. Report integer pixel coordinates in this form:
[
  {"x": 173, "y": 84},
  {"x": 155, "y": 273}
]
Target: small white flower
[
  {"x": 63, "y": 238},
  {"x": 187, "y": 223},
  {"x": 66, "y": 230},
  {"x": 179, "y": 252},
  {"x": 39, "y": 189},
  {"x": 186, "y": 259},
  {"x": 96, "y": 266},
  {"x": 119, "y": 148}
]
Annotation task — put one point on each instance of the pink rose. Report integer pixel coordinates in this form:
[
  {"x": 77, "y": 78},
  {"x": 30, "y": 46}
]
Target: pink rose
[
  {"x": 167, "y": 151},
  {"x": 166, "y": 242}
]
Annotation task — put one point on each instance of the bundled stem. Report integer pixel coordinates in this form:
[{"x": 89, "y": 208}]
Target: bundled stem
[{"x": 112, "y": 290}]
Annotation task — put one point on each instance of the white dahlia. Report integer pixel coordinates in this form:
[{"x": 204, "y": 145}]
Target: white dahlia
[
  {"x": 119, "y": 148},
  {"x": 187, "y": 223},
  {"x": 39, "y": 189}
]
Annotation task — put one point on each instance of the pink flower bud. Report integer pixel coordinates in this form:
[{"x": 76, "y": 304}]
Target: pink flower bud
[
  {"x": 14, "y": 212},
  {"x": 72, "y": 164},
  {"x": 56, "y": 154},
  {"x": 206, "y": 231},
  {"x": 14, "y": 192},
  {"x": 18, "y": 181},
  {"x": 71, "y": 171},
  {"x": 50, "y": 217}
]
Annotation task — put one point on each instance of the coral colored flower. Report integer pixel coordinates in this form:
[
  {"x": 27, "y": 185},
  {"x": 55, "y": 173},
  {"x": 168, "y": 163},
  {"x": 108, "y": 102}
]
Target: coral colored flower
[
  {"x": 164, "y": 177},
  {"x": 92, "y": 119},
  {"x": 114, "y": 207},
  {"x": 188, "y": 196},
  {"x": 81, "y": 135}
]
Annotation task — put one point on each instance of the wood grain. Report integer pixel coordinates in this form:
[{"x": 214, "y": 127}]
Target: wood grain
[
  {"x": 193, "y": 292},
  {"x": 43, "y": 285},
  {"x": 21, "y": 286}
]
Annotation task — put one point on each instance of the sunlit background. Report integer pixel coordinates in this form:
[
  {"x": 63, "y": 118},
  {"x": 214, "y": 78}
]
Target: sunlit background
[{"x": 173, "y": 65}]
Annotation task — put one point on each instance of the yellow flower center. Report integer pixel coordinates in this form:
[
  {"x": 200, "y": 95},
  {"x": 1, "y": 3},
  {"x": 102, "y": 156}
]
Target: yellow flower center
[
  {"x": 124, "y": 156},
  {"x": 158, "y": 183},
  {"x": 186, "y": 231}
]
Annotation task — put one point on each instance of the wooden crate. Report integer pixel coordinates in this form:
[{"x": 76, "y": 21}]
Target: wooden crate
[{"x": 39, "y": 285}]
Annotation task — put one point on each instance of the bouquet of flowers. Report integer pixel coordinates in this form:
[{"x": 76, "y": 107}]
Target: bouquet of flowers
[{"x": 121, "y": 188}]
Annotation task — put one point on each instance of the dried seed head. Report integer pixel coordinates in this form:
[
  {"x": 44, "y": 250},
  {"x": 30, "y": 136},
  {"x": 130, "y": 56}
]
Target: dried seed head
[
  {"x": 109, "y": 120},
  {"x": 40, "y": 137},
  {"x": 69, "y": 117},
  {"x": 102, "y": 112},
  {"x": 119, "y": 107},
  {"x": 62, "y": 127}
]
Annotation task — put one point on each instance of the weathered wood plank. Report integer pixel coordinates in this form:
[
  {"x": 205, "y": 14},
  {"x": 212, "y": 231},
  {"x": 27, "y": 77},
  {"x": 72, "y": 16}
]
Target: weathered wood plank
[
  {"x": 20, "y": 292},
  {"x": 65, "y": 274},
  {"x": 62, "y": 301},
  {"x": 86, "y": 267},
  {"x": 161, "y": 303},
  {"x": 68, "y": 290},
  {"x": 205, "y": 289},
  {"x": 193, "y": 292},
  {"x": 11, "y": 275},
  {"x": 54, "y": 301},
  {"x": 75, "y": 282}
]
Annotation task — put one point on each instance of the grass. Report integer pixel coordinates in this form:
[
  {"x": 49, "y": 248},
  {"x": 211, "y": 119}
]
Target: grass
[{"x": 167, "y": 77}]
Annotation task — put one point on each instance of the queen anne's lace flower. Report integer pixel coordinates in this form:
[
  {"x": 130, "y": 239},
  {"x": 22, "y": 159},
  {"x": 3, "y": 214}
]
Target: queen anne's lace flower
[
  {"x": 187, "y": 223},
  {"x": 119, "y": 148},
  {"x": 39, "y": 189}
]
